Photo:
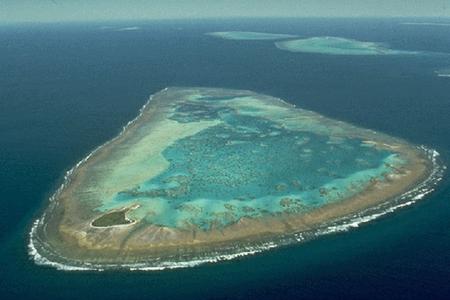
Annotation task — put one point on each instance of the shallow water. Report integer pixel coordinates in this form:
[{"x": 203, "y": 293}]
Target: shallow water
[
  {"x": 250, "y": 166},
  {"x": 338, "y": 46},
  {"x": 82, "y": 85}
]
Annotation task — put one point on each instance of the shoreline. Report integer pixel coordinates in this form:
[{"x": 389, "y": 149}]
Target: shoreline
[{"x": 38, "y": 225}]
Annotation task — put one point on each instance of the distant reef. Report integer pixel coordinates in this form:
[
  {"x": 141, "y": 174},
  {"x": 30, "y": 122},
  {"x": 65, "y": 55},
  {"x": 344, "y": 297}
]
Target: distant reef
[
  {"x": 337, "y": 46},
  {"x": 250, "y": 35},
  {"x": 330, "y": 45}
]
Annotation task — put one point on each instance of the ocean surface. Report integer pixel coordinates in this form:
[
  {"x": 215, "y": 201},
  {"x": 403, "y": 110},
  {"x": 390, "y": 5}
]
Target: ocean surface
[{"x": 68, "y": 88}]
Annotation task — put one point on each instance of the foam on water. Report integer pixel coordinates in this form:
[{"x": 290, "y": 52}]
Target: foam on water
[
  {"x": 443, "y": 72},
  {"x": 130, "y": 28}
]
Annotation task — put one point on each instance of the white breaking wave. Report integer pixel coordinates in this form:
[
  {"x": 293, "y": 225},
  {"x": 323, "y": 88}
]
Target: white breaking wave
[
  {"x": 406, "y": 199},
  {"x": 425, "y": 24},
  {"x": 41, "y": 260},
  {"x": 342, "y": 225},
  {"x": 38, "y": 258},
  {"x": 131, "y": 28}
]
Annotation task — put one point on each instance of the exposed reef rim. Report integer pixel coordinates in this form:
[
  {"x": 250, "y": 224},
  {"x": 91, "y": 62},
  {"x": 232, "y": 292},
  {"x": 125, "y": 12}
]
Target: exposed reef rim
[{"x": 43, "y": 253}]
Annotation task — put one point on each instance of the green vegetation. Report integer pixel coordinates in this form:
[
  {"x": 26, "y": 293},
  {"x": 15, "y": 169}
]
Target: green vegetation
[{"x": 111, "y": 219}]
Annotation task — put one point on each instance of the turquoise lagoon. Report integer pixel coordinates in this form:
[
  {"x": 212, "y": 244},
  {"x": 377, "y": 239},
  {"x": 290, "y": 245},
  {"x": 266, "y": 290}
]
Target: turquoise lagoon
[
  {"x": 247, "y": 155},
  {"x": 246, "y": 165}
]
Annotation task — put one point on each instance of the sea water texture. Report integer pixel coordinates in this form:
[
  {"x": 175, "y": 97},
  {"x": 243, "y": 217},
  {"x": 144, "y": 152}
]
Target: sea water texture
[{"x": 210, "y": 158}]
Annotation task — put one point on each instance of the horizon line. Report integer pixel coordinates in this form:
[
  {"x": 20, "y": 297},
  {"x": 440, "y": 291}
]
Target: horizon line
[{"x": 24, "y": 22}]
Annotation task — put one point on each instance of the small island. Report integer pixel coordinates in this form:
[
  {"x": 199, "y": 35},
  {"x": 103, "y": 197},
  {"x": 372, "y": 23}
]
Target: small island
[{"x": 204, "y": 172}]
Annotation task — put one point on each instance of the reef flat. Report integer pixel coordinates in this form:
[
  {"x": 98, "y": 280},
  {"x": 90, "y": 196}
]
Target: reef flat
[
  {"x": 206, "y": 170},
  {"x": 337, "y": 46},
  {"x": 249, "y": 35}
]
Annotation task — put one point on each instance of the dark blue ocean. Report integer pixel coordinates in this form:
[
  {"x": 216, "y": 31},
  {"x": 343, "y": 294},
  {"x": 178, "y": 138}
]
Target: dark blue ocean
[{"x": 67, "y": 88}]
